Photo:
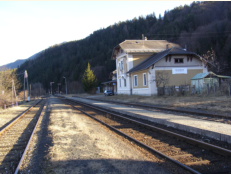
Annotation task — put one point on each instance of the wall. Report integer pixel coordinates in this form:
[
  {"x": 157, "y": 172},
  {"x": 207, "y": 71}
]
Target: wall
[
  {"x": 139, "y": 58},
  {"x": 140, "y": 79},
  {"x": 180, "y": 79}
]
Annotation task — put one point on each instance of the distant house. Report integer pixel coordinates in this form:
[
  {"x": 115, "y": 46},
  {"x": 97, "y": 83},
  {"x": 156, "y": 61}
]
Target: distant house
[
  {"x": 142, "y": 64},
  {"x": 112, "y": 84},
  {"x": 200, "y": 80}
]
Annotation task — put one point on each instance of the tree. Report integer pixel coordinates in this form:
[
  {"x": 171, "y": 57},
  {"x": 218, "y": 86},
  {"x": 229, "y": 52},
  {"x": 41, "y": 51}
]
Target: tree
[
  {"x": 211, "y": 57},
  {"x": 162, "y": 78},
  {"x": 8, "y": 79},
  {"x": 89, "y": 80}
]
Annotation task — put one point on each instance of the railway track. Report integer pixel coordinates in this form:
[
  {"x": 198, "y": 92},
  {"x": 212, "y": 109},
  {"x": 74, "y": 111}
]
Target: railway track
[
  {"x": 190, "y": 154},
  {"x": 15, "y": 138},
  {"x": 224, "y": 118}
]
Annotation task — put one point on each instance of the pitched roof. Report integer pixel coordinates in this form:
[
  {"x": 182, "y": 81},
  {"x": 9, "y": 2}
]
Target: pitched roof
[
  {"x": 156, "y": 57},
  {"x": 143, "y": 46},
  {"x": 199, "y": 76},
  {"x": 203, "y": 75}
]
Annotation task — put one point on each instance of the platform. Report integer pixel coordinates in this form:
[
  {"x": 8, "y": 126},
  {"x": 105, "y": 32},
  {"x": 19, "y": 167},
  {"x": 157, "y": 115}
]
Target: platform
[{"x": 212, "y": 129}]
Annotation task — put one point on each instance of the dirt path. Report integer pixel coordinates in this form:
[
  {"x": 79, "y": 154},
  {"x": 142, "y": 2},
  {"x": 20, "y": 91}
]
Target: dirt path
[{"x": 81, "y": 145}]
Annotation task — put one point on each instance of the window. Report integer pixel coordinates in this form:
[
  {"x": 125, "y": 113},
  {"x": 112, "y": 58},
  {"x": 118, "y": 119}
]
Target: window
[
  {"x": 144, "y": 79},
  {"x": 119, "y": 66},
  {"x": 120, "y": 82},
  {"x": 135, "y": 80},
  {"x": 124, "y": 82},
  {"x": 179, "y": 60},
  {"x": 122, "y": 65}
]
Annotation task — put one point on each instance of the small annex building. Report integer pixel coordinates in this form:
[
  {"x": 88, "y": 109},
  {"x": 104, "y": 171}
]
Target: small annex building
[
  {"x": 200, "y": 80},
  {"x": 139, "y": 62},
  {"x": 112, "y": 83}
]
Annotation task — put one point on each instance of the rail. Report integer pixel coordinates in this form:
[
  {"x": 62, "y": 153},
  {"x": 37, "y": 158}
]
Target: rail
[{"x": 210, "y": 147}]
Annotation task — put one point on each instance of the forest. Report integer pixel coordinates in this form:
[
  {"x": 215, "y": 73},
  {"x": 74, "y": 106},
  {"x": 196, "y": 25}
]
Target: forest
[{"x": 201, "y": 27}]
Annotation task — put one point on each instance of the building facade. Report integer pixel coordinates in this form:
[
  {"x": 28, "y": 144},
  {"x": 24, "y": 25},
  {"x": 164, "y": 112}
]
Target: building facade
[{"x": 143, "y": 65}]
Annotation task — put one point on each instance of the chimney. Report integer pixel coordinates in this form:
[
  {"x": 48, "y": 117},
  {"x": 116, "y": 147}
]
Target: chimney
[
  {"x": 168, "y": 46},
  {"x": 185, "y": 47},
  {"x": 145, "y": 38},
  {"x": 142, "y": 36}
]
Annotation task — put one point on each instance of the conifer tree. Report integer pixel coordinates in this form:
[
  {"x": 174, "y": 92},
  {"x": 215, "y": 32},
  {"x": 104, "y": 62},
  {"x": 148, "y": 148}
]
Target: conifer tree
[{"x": 89, "y": 80}]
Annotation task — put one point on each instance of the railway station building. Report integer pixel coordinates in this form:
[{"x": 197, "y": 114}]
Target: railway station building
[{"x": 141, "y": 64}]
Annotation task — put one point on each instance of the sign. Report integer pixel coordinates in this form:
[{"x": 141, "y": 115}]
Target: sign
[
  {"x": 179, "y": 71},
  {"x": 59, "y": 83}
]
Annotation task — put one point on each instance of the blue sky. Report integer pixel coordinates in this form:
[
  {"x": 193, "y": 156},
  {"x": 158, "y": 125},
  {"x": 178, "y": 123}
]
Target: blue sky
[{"x": 27, "y": 27}]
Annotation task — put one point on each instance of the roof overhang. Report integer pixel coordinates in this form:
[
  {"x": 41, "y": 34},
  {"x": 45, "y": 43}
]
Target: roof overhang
[{"x": 112, "y": 81}]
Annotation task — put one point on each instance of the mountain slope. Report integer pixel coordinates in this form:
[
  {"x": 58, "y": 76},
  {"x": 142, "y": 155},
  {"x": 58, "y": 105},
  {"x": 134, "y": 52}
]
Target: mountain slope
[
  {"x": 18, "y": 62},
  {"x": 13, "y": 65},
  {"x": 200, "y": 26}
]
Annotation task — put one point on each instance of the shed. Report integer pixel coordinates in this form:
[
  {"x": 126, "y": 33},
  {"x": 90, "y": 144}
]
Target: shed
[
  {"x": 110, "y": 85},
  {"x": 210, "y": 78}
]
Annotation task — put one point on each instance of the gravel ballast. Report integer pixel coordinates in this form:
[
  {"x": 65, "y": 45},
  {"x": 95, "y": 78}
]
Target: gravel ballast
[{"x": 74, "y": 143}]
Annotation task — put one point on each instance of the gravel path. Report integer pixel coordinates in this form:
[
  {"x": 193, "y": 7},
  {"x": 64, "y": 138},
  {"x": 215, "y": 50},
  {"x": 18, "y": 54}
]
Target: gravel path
[{"x": 74, "y": 143}]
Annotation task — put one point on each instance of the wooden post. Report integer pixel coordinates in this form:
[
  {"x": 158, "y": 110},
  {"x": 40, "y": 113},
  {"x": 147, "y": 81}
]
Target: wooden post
[
  {"x": 207, "y": 88},
  {"x": 229, "y": 89},
  {"x": 215, "y": 88},
  {"x": 24, "y": 87}
]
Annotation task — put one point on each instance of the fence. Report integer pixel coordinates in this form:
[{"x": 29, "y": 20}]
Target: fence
[
  {"x": 223, "y": 88},
  {"x": 171, "y": 90}
]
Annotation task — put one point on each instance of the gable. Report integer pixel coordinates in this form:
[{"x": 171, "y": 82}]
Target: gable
[
  {"x": 170, "y": 54},
  {"x": 173, "y": 61}
]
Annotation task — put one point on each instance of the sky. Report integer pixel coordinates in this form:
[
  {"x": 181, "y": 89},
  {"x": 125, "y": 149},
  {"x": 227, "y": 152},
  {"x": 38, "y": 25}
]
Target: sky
[{"x": 28, "y": 27}]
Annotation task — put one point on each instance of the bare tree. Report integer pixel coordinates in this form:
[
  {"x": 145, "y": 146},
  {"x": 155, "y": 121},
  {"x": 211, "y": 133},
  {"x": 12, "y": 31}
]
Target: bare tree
[
  {"x": 8, "y": 82},
  {"x": 37, "y": 90},
  {"x": 162, "y": 78},
  {"x": 211, "y": 57}
]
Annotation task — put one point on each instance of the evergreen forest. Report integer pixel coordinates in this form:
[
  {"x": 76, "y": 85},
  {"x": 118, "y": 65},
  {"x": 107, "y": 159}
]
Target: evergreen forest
[{"x": 201, "y": 27}]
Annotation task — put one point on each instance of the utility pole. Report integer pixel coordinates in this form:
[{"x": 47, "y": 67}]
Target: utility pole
[
  {"x": 65, "y": 84},
  {"x": 12, "y": 93},
  {"x": 58, "y": 87},
  {"x": 25, "y": 76},
  {"x": 28, "y": 98},
  {"x": 51, "y": 86},
  {"x": 16, "y": 102}
]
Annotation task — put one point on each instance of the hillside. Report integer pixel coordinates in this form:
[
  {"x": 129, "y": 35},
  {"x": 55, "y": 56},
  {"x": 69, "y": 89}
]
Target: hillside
[
  {"x": 18, "y": 62},
  {"x": 12, "y": 65},
  {"x": 200, "y": 26}
]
